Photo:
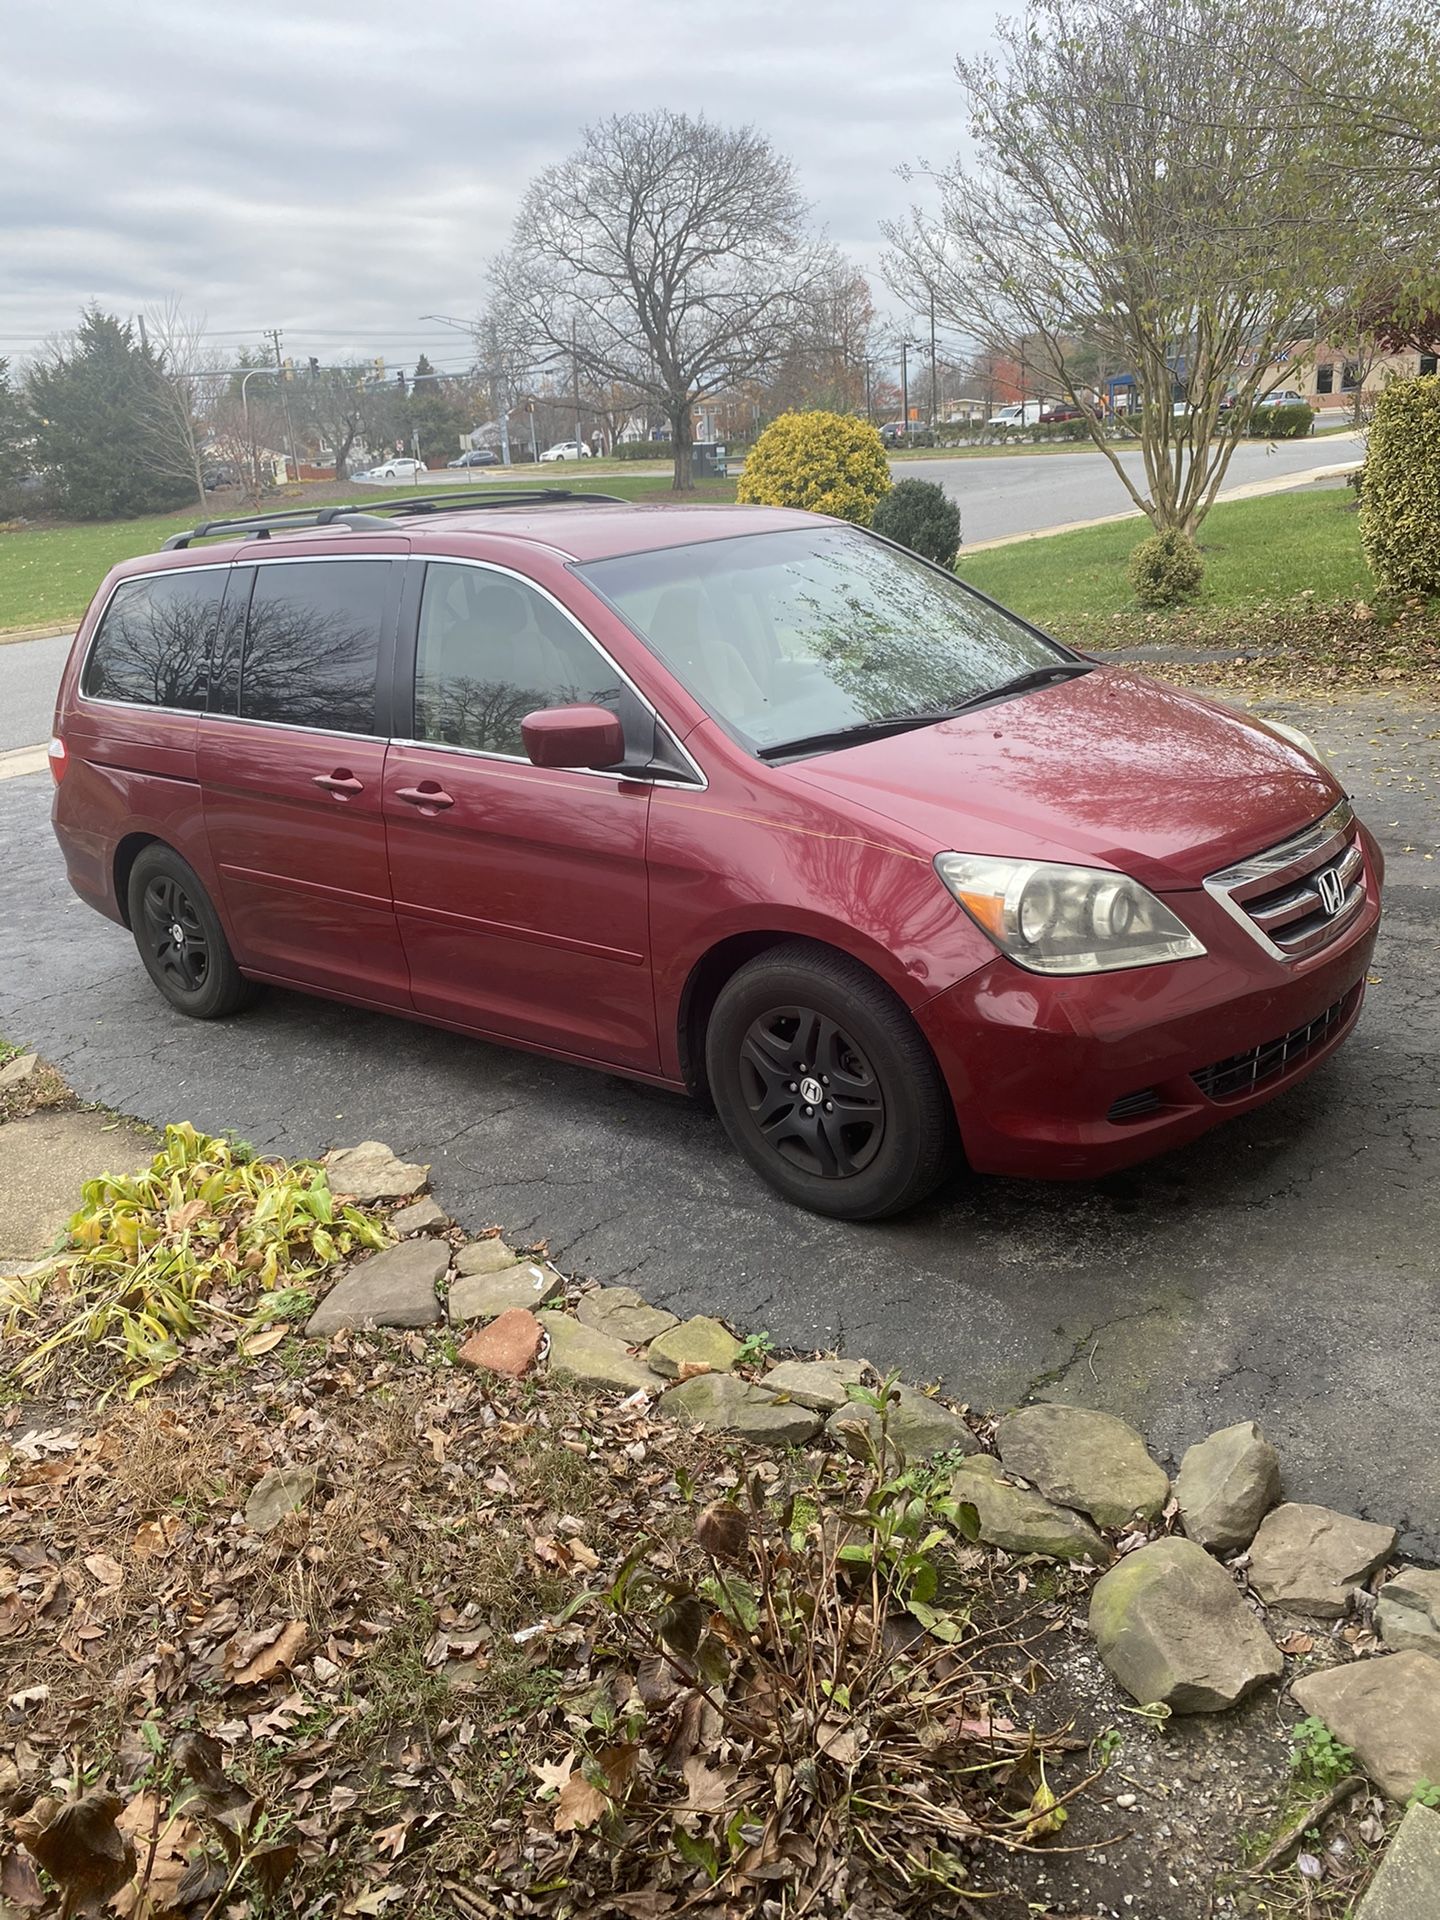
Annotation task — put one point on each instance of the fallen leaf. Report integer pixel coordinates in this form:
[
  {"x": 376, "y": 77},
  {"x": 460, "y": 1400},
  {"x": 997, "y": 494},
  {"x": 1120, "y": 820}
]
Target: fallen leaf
[
  {"x": 691, "y": 1369},
  {"x": 105, "y": 1572},
  {"x": 265, "y": 1342},
  {"x": 579, "y": 1805},
  {"x": 156, "y": 1536},
  {"x": 80, "y": 1847},
  {"x": 1297, "y": 1643},
  {"x": 283, "y": 1650},
  {"x": 706, "y": 1788},
  {"x": 554, "y": 1776},
  {"x": 19, "y": 1888}
]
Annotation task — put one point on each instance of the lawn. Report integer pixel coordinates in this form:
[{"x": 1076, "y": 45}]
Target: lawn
[
  {"x": 1256, "y": 551},
  {"x": 48, "y": 573}
]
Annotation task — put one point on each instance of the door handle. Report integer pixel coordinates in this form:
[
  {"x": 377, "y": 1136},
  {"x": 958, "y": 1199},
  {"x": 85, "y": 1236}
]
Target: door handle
[
  {"x": 429, "y": 796},
  {"x": 341, "y": 782}
]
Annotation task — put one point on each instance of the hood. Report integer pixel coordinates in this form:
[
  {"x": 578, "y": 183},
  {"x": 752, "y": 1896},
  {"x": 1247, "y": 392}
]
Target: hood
[{"x": 1109, "y": 769}]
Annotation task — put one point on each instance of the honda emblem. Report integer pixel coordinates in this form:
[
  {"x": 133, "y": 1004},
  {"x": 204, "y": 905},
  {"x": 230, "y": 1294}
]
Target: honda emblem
[{"x": 1332, "y": 890}]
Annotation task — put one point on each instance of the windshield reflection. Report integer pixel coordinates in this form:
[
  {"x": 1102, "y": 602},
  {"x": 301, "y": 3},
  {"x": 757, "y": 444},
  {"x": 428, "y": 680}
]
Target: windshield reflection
[{"x": 803, "y": 632}]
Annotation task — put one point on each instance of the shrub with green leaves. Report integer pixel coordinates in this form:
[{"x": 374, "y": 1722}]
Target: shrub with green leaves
[
  {"x": 922, "y": 516},
  {"x": 1165, "y": 569},
  {"x": 1291, "y": 422},
  {"x": 824, "y": 462},
  {"x": 1400, "y": 503}
]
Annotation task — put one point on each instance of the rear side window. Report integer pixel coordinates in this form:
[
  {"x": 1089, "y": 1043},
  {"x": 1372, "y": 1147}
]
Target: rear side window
[
  {"x": 492, "y": 650},
  {"x": 312, "y": 644},
  {"x": 153, "y": 648}
]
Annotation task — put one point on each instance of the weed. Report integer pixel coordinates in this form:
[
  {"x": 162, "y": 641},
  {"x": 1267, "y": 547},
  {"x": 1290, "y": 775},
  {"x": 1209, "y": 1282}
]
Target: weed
[
  {"x": 754, "y": 1348},
  {"x": 1318, "y": 1758}
]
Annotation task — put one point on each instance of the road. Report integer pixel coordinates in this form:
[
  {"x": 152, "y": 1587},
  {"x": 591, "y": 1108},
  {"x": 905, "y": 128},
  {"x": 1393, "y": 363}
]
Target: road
[
  {"x": 29, "y": 674},
  {"x": 1287, "y": 1268},
  {"x": 1028, "y": 493}
]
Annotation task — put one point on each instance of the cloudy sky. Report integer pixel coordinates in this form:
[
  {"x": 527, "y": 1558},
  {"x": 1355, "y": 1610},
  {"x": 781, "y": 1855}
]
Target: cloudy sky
[{"x": 340, "y": 170}]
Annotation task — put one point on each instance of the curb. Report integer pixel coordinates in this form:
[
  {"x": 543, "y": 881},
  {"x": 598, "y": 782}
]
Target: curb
[{"x": 15, "y": 636}]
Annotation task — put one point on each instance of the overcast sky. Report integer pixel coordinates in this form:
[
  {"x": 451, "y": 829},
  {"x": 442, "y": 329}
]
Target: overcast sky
[{"x": 340, "y": 170}]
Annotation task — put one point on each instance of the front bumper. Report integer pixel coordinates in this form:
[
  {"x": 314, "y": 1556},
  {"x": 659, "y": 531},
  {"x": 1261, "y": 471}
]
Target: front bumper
[{"x": 1036, "y": 1064}]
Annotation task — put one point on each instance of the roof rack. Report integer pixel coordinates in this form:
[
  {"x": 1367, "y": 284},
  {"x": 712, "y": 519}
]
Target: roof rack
[{"x": 371, "y": 514}]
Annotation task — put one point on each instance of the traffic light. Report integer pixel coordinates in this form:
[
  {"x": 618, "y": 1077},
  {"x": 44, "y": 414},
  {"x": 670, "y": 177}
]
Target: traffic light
[
  {"x": 314, "y": 367},
  {"x": 377, "y": 366},
  {"x": 400, "y": 378},
  {"x": 288, "y": 370}
]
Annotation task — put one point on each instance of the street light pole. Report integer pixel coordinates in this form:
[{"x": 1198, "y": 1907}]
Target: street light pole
[
  {"x": 245, "y": 380},
  {"x": 905, "y": 390},
  {"x": 934, "y": 409}
]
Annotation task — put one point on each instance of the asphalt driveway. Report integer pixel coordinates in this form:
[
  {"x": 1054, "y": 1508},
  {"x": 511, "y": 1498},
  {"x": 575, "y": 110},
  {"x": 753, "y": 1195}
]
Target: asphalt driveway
[{"x": 1287, "y": 1268}]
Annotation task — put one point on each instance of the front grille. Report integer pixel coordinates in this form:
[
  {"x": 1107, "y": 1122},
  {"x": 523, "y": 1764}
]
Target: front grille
[
  {"x": 1232, "y": 1079},
  {"x": 1298, "y": 897},
  {"x": 1134, "y": 1106}
]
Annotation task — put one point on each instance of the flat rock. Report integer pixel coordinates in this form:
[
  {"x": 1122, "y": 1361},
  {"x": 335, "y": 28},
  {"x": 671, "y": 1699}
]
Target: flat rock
[
  {"x": 918, "y": 1427},
  {"x": 1171, "y": 1626},
  {"x": 1226, "y": 1485},
  {"x": 820, "y": 1384},
  {"x": 594, "y": 1359},
  {"x": 701, "y": 1342},
  {"x": 1388, "y": 1710},
  {"x": 281, "y": 1491},
  {"x": 44, "y": 1162},
  {"x": 1407, "y": 1887},
  {"x": 395, "y": 1288},
  {"x": 1021, "y": 1521},
  {"x": 1408, "y": 1614},
  {"x": 508, "y": 1344},
  {"x": 1080, "y": 1458},
  {"x": 421, "y": 1216},
  {"x": 372, "y": 1172},
  {"x": 624, "y": 1315},
  {"x": 524, "y": 1283},
  {"x": 1312, "y": 1558},
  {"x": 16, "y": 1072},
  {"x": 485, "y": 1256},
  {"x": 721, "y": 1403}
]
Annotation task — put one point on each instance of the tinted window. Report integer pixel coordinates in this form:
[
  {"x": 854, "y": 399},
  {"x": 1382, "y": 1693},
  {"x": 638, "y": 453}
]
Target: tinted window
[
  {"x": 154, "y": 643},
  {"x": 491, "y": 651},
  {"x": 783, "y": 635},
  {"x": 312, "y": 645}
]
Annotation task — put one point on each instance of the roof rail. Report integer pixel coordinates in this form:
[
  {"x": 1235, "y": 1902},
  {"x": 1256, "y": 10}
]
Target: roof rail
[{"x": 371, "y": 513}]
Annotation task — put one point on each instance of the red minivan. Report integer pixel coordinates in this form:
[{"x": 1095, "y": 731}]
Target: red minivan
[{"x": 734, "y": 800}]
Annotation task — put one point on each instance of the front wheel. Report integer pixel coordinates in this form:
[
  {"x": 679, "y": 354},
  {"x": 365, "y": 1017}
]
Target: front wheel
[
  {"x": 180, "y": 939},
  {"x": 824, "y": 1083}
]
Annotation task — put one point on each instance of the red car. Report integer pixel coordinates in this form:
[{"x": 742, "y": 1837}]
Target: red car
[{"x": 729, "y": 799}]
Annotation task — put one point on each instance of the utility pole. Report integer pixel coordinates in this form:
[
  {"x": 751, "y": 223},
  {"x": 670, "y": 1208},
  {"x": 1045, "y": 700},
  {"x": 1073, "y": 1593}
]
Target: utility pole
[
  {"x": 905, "y": 390},
  {"x": 869, "y": 409},
  {"x": 575, "y": 378},
  {"x": 144, "y": 337},
  {"x": 272, "y": 334},
  {"x": 499, "y": 393}
]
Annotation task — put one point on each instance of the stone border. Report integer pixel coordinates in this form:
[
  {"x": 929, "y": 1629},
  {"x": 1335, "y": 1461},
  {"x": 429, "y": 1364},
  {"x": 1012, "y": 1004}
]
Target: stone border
[{"x": 1190, "y": 1575}]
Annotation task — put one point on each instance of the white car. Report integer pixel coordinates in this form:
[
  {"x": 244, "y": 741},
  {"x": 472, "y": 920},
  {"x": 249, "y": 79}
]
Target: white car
[
  {"x": 398, "y": 469},
  {"x": 567, "y": 450}
]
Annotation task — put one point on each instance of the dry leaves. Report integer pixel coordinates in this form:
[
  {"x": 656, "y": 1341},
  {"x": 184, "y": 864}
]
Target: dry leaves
[{"x": 253, "y": 1658}]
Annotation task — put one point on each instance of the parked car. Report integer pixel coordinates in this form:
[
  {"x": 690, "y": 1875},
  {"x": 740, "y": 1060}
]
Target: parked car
[
  {"x": 219, "y": 473},
  {"x": 567, "y": 450},
  {"x": 401, "y": 468},
  {"x": 1012, "y": 418},
  {"x": 757, "y": 806},
  {"x": 1057, "y": 415},
  {"x": 476, "y": 457}
]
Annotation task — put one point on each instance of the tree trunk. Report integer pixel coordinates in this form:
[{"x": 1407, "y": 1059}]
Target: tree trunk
[
  {"x": 684, "y": 480},
  {"x": 342, "y": 455}
]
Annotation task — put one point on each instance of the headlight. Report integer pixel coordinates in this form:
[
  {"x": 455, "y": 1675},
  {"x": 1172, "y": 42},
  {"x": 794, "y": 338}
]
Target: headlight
[
  {"x": 1296, "y": 738},
  {"x": 1055, "y": 919}
]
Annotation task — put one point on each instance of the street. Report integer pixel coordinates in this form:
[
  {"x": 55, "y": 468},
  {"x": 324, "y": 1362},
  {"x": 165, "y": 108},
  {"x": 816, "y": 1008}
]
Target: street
[{"x": 1286, "y": 1268}]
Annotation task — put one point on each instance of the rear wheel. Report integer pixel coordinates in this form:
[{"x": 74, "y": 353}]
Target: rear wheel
[
  {"x": 180, "y": 939},
  {"x": 826, "y": 1086}
]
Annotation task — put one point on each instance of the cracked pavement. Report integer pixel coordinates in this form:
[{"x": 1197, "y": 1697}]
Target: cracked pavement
[{"x": 1285, "y": 1268}]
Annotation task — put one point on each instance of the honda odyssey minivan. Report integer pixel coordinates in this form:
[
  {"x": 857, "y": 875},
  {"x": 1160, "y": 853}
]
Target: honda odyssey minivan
[{"x": 734, "y": 800}]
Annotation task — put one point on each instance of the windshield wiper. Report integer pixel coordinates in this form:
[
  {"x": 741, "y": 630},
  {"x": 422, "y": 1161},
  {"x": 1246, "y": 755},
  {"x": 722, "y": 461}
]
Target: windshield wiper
[
  {"x": 851, "y": 735},
  {"x": 1022, "y": 683}
]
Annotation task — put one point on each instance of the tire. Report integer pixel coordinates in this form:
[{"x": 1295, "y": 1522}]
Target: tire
[
  {"x": 780, "y": 1011},
  {"x": 180, "y": 939}
]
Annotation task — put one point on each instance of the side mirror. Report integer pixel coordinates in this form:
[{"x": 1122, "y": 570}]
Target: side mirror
[{"x": 573, "y": 737}]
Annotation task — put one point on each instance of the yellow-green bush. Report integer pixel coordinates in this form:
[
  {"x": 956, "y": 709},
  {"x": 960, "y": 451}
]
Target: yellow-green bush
[
  {"x": 1165, "y": 569},
  {"x": 1400, "y": 503},
  {"x": 824, "y": 462}
]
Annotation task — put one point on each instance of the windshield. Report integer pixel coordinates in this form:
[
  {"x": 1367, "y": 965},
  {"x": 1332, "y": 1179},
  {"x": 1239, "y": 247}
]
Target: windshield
[{"x": 807, "y": 632}]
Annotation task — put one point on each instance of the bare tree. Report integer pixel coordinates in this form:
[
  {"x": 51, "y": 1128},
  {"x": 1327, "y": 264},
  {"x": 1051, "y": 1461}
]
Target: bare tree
[
  {"x": 668, "y": 254},
  {"x": 823, "y": 364},
  {"x": 174, "y": 405},
  {"x": 1157, "y": 181}
]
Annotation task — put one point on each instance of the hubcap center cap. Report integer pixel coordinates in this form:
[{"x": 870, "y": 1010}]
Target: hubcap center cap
[
  {"x": 811, "y": 1091},
  {"x": 177, "y": 933}
]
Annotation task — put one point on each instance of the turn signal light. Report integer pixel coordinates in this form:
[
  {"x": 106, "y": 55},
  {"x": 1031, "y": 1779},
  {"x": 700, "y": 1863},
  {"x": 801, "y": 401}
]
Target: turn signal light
[{"x": 59, "y": 759}]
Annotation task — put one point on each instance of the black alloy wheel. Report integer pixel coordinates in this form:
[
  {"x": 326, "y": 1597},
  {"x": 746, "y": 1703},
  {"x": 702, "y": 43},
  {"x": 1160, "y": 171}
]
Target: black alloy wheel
[
  {"x": 826, "y": 1085},
  {"x": 175, "y": 933},
  {"x": 180, "y": 939},
  {"x": 811, "y": 1092}
]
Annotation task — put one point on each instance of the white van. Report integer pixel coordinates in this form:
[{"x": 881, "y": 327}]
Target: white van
[{"x": 1011, "y": 419}]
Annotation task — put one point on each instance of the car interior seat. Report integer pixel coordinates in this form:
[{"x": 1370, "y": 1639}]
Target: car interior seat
[{"x": 684, "y": 631}]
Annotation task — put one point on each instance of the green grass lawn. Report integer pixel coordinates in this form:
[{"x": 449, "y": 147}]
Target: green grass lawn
[
  {"x": 49, "y": 573},
  {"x": 1272, "y": 549}
]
